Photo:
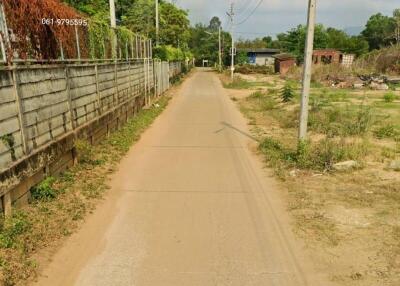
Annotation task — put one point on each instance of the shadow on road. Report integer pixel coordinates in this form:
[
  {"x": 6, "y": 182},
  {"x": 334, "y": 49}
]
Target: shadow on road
[{"x": 240, "y": 131}]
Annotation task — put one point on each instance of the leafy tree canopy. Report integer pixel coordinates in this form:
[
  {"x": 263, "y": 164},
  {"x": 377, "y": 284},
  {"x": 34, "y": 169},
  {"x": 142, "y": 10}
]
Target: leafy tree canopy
[
  {"x": 203, "y": 42},
  {"x": 379, "y": 31},
  {"x": 215, "y": 23}
]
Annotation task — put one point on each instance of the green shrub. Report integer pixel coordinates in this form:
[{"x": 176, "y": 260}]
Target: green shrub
[
  {"x": 316, "y": 84},
  {"x": 363, "y": 121},
  {"x": 85, "y": 151},
  {"x": 12, "y": 227},
  {"x": 44, "y": 191},
  {"x": 238, "y": 83},
  {"x": 386, "y": 131},
  {"x": 339, "y": 121},
  {"x": 287, "y": 93},
  {"x": 262, "y": 101},
  {"x": 389, "y": 97},
  {"x": 170, "y": 53},
  {"x": 320, "y": 156}
]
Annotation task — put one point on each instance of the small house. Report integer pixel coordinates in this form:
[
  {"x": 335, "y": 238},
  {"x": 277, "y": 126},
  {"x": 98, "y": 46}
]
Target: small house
[
  {"x": 332, "y": 56},
  {"x": 261, "y": 57},
  {"x": 283, "y": 63}
]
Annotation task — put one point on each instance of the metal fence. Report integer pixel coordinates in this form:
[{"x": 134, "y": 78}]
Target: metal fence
[{"x": 78, "y": 42}]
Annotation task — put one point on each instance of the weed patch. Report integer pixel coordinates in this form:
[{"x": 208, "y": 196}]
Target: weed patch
[
  {"x": 319, "y": 156},
  {"x": 261, "y": 101},
  {"x": 339, "y": 121},
  {"x": 44, "y": 190},
  {"x": 387, "y": 131},
  {"x": 389, "y": 97}
]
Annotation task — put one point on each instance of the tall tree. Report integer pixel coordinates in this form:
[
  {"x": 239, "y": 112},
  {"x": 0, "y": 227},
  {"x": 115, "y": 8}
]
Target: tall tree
[
  {"x": 379, "y": 31},
  {"x": 174, "y": 25},
  {"x": 294, "y": 40},
  {"x": 174, "y": 22},
  {"x": 140, "y": 17},
  {"x": 205, "y": 45},
  {"x": 338, "y": 39},
  {"x": 89, "y": 7},
  {"x": 257, "y": 43},
  {"x": 396, "y": 17},
  {"x": 215, "y": 23}
]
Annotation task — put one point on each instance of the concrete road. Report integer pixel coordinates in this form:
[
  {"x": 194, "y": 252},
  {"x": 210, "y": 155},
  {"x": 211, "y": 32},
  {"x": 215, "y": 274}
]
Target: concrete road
[{"x": 190, "y": 205}]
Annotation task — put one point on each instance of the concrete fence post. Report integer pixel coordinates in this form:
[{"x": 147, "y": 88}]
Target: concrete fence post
[
  {"x": 67, "y": 87},
  {"x": 126, "y": 51},
  {"x": 149, "y": 76},
  {"x": 7, "y": 207},
  {"x": 137, "y": 47},
  {"x": 78, "y": 48},
  {"x": 61, "y": 51},
  {"x": 97, "y": 89},
  {"x": 132, "y": 55},
  {"x": 21, "y": 117},
  {"x": 115, "y": 95},
  {"x": 168, "y": 76},
  {"x": 145, "y": 82}
]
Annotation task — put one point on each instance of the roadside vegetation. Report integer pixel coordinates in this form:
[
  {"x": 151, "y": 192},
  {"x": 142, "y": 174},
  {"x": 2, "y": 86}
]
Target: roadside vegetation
[
  {"x": 59, "y": 204},
  {"x": 343, "y": 184}
]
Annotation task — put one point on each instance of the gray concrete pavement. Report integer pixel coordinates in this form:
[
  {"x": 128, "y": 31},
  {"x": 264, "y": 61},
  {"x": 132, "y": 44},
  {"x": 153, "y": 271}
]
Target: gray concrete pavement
[{"x": 189, "y": 205}]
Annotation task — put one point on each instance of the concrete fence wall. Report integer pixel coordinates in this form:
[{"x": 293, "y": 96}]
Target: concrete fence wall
[{"x": 44, "y": 108}]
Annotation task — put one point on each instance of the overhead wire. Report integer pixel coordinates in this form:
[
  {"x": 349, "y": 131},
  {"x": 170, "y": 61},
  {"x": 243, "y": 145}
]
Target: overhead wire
[
  {"x": 251, "y": 14},
  {"x": 244, "y": 8}
]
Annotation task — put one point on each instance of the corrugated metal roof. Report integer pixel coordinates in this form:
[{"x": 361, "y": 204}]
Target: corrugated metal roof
[
  {"x": 284, "y": 56},
  {"x": 269, "y": 51}
]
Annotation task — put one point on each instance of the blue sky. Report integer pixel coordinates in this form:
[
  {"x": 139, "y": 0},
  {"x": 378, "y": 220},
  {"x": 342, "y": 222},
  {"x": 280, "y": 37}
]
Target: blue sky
[{"x": 274, "y": 16}]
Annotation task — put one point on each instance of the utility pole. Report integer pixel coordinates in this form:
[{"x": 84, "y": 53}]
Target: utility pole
[
  {"x": 157, "y": 24},
  {"x": 231, "y": 15},
  {"x": 308, "y": 52},
  {"x": 219, "y": 49},
  {"x": 113, "y": 27}
]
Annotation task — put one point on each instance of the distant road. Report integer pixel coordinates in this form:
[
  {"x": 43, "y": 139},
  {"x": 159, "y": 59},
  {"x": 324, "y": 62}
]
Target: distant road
[{"x": 190, "y": 205}]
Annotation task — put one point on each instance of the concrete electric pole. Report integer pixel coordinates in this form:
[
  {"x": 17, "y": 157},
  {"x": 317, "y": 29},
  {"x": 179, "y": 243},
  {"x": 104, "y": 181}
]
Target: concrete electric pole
[
  {"x": 219, "y": 49},
  {"x": 113, "y": 27},
  {"x": 308, "y": 52},
  {"x": 231, "y": 15},
  {"x": 157, "y": 24}
]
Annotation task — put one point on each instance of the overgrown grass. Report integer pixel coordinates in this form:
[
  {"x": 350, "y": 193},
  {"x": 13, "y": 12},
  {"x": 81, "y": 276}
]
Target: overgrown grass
[
  {"x": 262, "y": 102},
  {"x": 321, "y": 155},
  {"x": 389, "y": 97},
  {"x": 343, "y": 126},
  {"x": 387, "y": 131},
  {"x": 58, "y": 204},
  {"x": 341, "y": 121},
  {"x": 239, "y": 83}
]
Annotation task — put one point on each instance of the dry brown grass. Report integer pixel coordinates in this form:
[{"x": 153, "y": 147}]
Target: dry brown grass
[{"x": 349, "y": 220}]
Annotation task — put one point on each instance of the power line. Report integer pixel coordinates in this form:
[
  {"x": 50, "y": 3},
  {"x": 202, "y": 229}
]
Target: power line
[
  {"x": 251, "y": 14},
  {"x": 244, "y": 7}
]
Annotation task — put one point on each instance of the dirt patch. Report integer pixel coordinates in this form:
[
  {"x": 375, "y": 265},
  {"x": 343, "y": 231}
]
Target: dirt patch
[{"x": 349, "y": 220}]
